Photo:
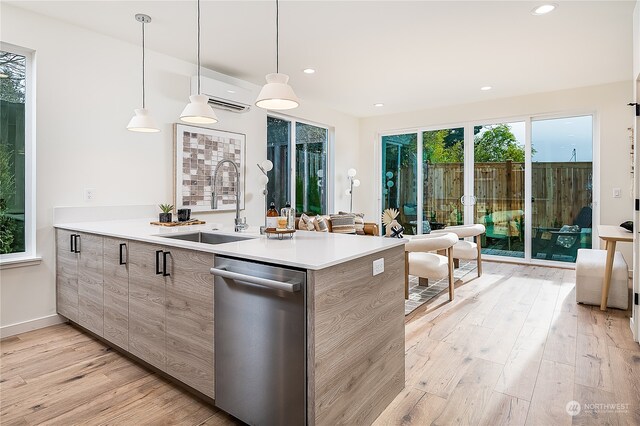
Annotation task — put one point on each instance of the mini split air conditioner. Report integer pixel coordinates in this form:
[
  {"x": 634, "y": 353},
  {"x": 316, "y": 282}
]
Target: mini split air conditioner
[{"x": 224, "y": 96}]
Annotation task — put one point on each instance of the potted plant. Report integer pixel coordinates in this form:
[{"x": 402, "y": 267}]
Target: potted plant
[{"x": 165, "y": 216}]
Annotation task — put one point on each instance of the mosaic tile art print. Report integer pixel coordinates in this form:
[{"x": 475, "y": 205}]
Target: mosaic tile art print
[{"x": 198, "y": 151}]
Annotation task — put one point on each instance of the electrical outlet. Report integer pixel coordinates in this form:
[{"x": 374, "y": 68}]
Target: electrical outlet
[
  {"x": 617, "y": 193},
  {"x": 89, "y": 194},
  {"x": 378, "y": 266}
]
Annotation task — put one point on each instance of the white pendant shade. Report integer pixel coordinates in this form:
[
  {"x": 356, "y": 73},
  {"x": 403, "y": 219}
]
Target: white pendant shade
[
  {"x": 277, "y": 94},
  {"x": 198, "y": 111},
  {"x": 142, "y": 122}
]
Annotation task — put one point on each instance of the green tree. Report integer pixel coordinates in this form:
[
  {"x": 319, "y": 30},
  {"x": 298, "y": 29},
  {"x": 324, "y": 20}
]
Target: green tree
[
  {"x": 12, "y": 77},
  {"x": 496, "y": 144},
  {"x": 443, "y": 146}
]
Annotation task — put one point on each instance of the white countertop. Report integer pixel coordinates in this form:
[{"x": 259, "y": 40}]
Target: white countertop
[{"x": 306, "y": 250}]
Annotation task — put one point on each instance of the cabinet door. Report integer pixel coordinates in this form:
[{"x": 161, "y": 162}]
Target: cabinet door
[
  {"x": 116, "y": 292},
  {"x": 190, "y": 319},
  {"x": 90, "y": 288},
  {"x": 146, "y": 305},
  {"x": 66, "y": 276}
]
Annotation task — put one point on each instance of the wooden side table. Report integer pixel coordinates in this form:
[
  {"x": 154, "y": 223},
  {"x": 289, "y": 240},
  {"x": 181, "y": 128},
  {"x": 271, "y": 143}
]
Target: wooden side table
[{"x": 611, "y": 235}]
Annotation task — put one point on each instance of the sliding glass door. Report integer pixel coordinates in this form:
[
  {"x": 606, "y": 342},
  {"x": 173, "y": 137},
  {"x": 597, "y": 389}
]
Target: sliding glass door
[
  {"x": 443, "y": 178},
  {"x": 530, "y": 182},
  {"x": 562, "y": 187},
  {"x": 399, "y": 178},
  {"x": 498, "y": 189}
]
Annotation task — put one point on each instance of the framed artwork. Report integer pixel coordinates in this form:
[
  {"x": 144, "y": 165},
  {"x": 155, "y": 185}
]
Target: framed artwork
[{"x": 197, "y": 152}]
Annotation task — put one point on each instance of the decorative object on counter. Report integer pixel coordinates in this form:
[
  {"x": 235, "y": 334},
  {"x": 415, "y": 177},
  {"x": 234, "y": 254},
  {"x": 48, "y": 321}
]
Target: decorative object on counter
[
  {"x": 353, "y": 183},
  {"x": 198, "y": 151},
  {"x": 184, "y": 215},
  {"x": 282, "y": 223},
  {"x": 272, "y": 217},
  {"x": 321, "y": 224},
  {"x": 279, "y": 233},
  {"x": 389, "y": 220},
  {"x": 290, "y": 213},
  {"x": 165, "y": 216},
  {"x": 186, "y": 223},
  {"x": 396, "y": 231},
  {"x": 142, "y": 121},
  {"x": 265, "y": 167},
  {"x": 198, "y": 110},
  {"x": 277, "y": 94}
]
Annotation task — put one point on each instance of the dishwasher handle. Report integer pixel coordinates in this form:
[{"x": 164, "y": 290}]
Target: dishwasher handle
[{"x": 263, "y": 282}]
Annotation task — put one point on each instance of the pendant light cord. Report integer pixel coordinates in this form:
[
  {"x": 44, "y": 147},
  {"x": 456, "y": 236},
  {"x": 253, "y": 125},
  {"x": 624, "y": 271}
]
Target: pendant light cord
[
  {"x": 143, "y": 92},
  {"x": 277, "y": 37},
  {"x": 198, "y": 47}
]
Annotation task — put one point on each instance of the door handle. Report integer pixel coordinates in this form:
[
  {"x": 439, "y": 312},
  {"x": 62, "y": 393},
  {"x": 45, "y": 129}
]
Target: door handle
[
  {"x": 77, "y": 240},
  {"x": 158, "y": 253},
  {"x": 71, "y": 241},
  {"x": 123, "y": 261},
  {"x": 164, "y": 263},
  {"x": 263, "y": 282}
]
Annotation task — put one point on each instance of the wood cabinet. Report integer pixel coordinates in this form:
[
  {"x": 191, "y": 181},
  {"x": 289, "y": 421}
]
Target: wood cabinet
[
  {"x": 90, "y": 282},
  {"x": 153, "y": 301},
  {"x": 66, "y": 275},
  {"x": 116, "y": 292},
  {"x": 147, "y": 313},
  {"x": 189, "y": 319}
]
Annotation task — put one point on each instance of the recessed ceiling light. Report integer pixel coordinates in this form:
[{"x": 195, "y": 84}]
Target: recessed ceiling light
[
  {"x": 309, "y": 71},
  {"x": 378, "y": 105},
  {"x": 485, "y": 88},
  {"x": 544, "y": 9},
  {"x": 231, "y": 91}
]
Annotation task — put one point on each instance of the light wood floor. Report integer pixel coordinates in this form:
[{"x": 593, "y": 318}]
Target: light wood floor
[{"x": 512, "y": 348}]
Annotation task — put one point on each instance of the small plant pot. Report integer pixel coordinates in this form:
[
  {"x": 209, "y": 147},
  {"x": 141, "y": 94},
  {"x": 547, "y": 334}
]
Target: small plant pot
[{"x": 165, "y": 217}]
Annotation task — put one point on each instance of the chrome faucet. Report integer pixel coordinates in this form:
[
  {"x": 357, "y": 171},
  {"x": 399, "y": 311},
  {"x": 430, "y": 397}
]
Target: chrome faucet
[{"x": 240, "y": 224}]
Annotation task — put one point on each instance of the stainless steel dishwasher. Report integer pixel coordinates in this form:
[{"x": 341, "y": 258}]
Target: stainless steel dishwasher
[{"x": 260, "y": 342}]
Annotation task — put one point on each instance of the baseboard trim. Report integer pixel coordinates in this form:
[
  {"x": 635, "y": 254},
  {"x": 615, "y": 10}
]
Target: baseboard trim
[{"x": 23, "y": 327}]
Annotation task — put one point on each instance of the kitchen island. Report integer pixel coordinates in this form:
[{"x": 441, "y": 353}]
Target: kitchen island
[{"x": 149, "y": 291}]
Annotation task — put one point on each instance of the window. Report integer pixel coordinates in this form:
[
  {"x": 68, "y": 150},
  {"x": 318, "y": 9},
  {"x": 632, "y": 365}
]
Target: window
[
  {"x": 399, "y": 175},
  {"x": 15, "y": 154},
  {"x": 306, "y": 165}
]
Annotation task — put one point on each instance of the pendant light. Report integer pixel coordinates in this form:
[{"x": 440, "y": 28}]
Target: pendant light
[
  {"x": 198, "y": 110},
  {"x": 277, "y": 94},
  {"x": 142, "y": 121}
]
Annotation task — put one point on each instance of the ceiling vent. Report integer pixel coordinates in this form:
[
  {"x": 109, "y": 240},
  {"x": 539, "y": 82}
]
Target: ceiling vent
[
  {"x": 225, "y": 96},
  {"x": 228, "y": 105}
]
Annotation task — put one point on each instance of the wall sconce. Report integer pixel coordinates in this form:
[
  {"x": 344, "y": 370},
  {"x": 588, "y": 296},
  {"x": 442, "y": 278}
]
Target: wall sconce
[
  {"x": 353, "y": 183},
  {"x": 265, "y": 166}
]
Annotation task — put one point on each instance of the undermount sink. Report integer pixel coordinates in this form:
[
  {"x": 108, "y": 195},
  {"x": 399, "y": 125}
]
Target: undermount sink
[{"x": 207, "y": 238}]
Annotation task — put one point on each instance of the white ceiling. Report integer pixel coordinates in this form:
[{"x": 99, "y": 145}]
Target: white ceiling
[{"x": 408, "y": 55}]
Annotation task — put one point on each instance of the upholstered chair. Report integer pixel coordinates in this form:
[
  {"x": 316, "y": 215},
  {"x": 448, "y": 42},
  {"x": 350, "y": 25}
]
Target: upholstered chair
[
  {"x": 420, "y": 260},
  {"x": 466, "y": 250}
]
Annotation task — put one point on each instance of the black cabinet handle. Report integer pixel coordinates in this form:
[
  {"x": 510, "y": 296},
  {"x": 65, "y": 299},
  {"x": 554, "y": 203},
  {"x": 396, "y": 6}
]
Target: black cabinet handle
[
  {"x": 72, "y": 239},
  {"x": 164, "y": 264},
  {"x": 77, "y": 243},
  {"x": 122, "y": 259},
  {"x": 158, "y": 271}
]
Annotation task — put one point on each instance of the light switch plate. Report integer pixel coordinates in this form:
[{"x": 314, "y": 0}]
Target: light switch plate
[
  {"x": 616, "y": 193},
  {"x": 378, "y": 266}
]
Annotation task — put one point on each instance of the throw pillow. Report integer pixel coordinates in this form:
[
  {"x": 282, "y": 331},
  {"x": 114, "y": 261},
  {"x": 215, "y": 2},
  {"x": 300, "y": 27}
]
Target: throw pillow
[
  {"x": 359, "y": 221},
  {"x": 344, "y": 223},
  {"x": 306, "y": 223},
  {"x": 320, "y": 223}
]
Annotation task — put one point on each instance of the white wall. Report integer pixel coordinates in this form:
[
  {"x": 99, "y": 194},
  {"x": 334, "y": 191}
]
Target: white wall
[
  {"x": 636, "y": 42},
  {"x": 87, "y": 87},
  {"x": 613, "y": 117}
]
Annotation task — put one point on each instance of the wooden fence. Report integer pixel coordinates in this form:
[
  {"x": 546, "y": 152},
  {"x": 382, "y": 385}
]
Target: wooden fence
[{"x": 559, "y": 190}]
